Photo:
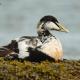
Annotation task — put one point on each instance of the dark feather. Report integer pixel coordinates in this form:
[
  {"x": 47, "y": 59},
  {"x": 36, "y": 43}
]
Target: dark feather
[
  {"x": 6, "y": 50},
  {"x": 13, "y": 46},
  {"x": 37, "y": 56}
]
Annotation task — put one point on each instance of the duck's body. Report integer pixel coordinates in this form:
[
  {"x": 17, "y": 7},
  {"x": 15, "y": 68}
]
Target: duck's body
[
  {"x": 45, "y": 42},
  {"x": 48, "y": 44}
]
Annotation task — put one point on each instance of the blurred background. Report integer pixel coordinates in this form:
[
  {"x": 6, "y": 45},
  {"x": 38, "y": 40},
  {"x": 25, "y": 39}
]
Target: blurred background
[{"x": 20, "y": 17}]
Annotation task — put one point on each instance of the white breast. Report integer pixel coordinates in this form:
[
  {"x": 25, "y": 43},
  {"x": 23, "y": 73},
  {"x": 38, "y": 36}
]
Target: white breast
[{"x": 52, "y": 47}]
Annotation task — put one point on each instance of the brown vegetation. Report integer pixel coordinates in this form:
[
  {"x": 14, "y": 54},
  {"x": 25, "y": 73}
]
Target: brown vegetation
[{"x": 45, "y": 70}]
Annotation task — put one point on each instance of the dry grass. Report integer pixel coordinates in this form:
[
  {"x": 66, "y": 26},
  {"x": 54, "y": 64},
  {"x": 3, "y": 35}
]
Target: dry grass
[{"x": 45, "y": 70}]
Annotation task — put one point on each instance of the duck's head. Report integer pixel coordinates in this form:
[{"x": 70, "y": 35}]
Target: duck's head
[{"x": 50, "y": 23}]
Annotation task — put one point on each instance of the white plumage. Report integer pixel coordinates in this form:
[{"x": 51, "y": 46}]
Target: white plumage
[{"x": 25, "y": 44}]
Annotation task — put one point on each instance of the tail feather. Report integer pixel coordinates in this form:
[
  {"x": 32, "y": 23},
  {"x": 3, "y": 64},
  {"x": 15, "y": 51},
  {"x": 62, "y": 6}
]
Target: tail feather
[
  {"x": 13, "y": 46},
  {"x": 8, "y": 49},
  {"x": 4, "y": 51}
]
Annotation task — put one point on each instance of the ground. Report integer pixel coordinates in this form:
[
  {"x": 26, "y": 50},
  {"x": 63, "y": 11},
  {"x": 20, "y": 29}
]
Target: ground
[{"x": 45, "y": 70}]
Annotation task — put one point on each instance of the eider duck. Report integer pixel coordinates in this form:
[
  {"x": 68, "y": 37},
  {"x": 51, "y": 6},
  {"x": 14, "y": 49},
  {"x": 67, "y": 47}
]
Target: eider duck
[{"x": 45, "y": 43}]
